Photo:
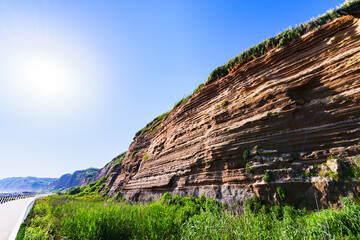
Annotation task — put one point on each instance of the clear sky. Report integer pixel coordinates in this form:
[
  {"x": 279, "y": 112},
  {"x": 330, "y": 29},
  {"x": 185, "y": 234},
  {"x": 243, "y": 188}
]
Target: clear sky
[{"x": 79, "y": 78}]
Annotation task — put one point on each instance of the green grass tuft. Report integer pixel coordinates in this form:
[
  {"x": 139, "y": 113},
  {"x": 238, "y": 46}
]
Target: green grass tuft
[{"x": 281, "y": 192}]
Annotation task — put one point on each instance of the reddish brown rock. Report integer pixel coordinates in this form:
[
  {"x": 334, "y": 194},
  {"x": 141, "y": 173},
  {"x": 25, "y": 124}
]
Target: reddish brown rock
[{"x": 299, "y": 104}]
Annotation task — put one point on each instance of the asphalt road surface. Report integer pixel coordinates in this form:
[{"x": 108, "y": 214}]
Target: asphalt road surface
[{"x": 11, "y": 214}]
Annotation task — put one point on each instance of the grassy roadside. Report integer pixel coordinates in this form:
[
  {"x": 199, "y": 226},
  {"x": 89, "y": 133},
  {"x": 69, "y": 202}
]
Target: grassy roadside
[{"x": 69, "y": 217}]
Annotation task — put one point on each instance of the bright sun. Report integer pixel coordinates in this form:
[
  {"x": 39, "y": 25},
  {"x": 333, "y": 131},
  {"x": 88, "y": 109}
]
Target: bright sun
[
  {"x": 47, "y": 85},
  {"x": 47, "y": 74},
  {"x": 45, "y": 79},
  {"x": 43, "y": 84}
]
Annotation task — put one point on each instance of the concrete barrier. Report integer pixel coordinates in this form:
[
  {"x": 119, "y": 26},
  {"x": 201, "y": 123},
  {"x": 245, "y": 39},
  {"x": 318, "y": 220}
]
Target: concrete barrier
[{"x": 24, "y": 215}]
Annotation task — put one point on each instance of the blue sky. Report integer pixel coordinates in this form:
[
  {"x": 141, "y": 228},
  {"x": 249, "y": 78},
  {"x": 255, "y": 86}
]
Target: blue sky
[{"x": 79, "y": 78}]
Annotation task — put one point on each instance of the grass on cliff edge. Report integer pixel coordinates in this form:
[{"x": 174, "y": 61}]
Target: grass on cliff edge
[
  {"x": 285, "y": 38},
  {"x": 68, "y": 217}
]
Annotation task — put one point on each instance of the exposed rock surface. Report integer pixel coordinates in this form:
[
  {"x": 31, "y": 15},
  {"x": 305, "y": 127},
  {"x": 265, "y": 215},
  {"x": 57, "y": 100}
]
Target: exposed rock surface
[
  {"x": 113, "y": 164},
  {"x": 299, "y": 104},
  {"x": 76, "y": 179}
]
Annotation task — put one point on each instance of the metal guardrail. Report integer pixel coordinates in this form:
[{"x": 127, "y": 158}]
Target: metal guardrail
[{"x": 16, "y": 197}]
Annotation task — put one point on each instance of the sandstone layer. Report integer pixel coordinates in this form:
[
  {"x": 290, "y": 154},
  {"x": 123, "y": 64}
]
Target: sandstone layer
[{"x": 298, "y": 104}]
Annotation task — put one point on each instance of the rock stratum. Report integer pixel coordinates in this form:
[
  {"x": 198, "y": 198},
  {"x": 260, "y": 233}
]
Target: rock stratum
[{"x": 290, "y": 110}]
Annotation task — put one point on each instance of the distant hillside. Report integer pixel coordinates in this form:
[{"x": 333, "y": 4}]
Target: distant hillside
[
  {"x": 18, "y": 184},
  {"x": 77, "y": 179}
]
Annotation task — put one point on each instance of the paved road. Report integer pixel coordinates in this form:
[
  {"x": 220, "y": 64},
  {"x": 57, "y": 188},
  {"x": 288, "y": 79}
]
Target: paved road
[{"x": 10, "y": 214}]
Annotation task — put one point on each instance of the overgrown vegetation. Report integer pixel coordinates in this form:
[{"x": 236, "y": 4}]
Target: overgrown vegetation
[
  {"x": 67, "y": 217},
  {"x": 74, "y": 218},
  {"x": 332, "y": 175},
  {"x": 153, "y": 125},
  {"x": 281, "y": 192},
  {"x": 268, "y": 176},
  {"x": 283, "y": 39},
  {"x": 116, "y": 160},
  {"x": 90, "y": 172},
  {"x": 246, "y": 154},
  {"x": 91, "y": 190},
  {"x": 185, "y": 99},
  {"x": 248, "y": 167},
  {"x": 119, "y": 158},
  {"x": 348, "y": 169},
  {"x": 355, "y": 168}
]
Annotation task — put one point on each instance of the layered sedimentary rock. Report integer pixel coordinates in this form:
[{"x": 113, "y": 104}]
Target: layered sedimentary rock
[
  {"x": 111, "y": 166},
  {"x": 298, "y": 104}
]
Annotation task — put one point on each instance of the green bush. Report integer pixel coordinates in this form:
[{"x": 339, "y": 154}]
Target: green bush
[
  {"x": 218, "y": 73},
  {"x": 198, "y": 88},
  {"x": 268, "y": 177},
  {"x": 332, "y": 175},
  {"x": 248, "y": 167},
  {"x": 74, "y": 191},
  {"x": 146, "y": 157},
  {"x": 253, "y": 204},
  {"x": 246, "y": 155}
]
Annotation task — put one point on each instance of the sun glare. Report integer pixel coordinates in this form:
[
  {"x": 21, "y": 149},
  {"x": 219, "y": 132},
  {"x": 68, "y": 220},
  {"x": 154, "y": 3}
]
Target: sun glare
[
  {"x": 44, "y": 85},
  {"x": 47, "y": 74},
  {"x": 46, "y": 80}
]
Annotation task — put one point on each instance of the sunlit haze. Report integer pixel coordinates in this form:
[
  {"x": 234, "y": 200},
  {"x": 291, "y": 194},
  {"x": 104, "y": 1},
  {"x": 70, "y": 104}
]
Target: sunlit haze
[{"x": 79, "y": 78}]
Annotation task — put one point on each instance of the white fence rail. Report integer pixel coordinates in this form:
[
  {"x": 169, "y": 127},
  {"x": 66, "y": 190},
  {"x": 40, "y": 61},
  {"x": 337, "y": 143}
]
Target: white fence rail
[{"x": 16, "y": 197}]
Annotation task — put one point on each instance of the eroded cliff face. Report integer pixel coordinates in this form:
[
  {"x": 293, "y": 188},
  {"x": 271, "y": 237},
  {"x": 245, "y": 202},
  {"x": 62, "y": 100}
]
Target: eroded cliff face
[{"x": 298, "y": 104}]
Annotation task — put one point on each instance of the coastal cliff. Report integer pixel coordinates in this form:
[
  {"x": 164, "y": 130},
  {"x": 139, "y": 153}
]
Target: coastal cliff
[{"x": 287, "y": 121}]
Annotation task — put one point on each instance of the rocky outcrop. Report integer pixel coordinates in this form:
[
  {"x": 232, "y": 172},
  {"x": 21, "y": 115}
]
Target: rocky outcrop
[
  {"x": 76, "y": 179},
  {"x": 291, "y": 109},
  {"x": 114, "y": 163}
]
